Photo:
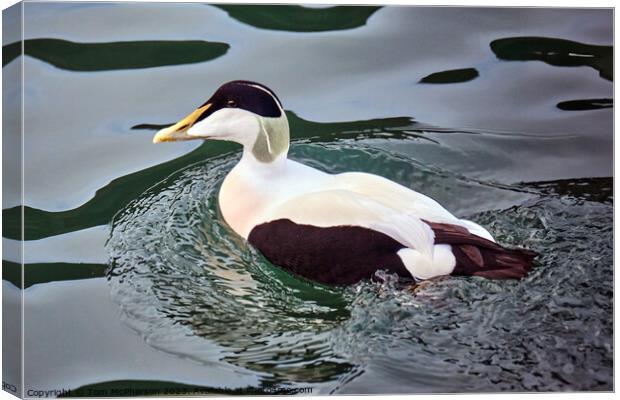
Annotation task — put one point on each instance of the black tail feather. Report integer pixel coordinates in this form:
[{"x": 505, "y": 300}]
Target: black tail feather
[
  {"x": 481, "y": 257},
  {"x": 500, "y": 263}
]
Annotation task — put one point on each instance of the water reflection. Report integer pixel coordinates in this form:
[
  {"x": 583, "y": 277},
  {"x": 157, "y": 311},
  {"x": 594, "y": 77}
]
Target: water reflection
[
  {"x": 143, "y": 388},
  {"x": 451, "y": 76},
  {"x": 582, "y": 105},
  {"x": 49, "y": 272},
  {"x": 115, "y": 55},
  {"x": 299, "y": 18},
  {"x": 592, "y": 189},
  {"x": 558, "y": 52}
]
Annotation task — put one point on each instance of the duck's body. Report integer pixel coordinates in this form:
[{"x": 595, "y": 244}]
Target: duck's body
[{"x": 333, "y": 228}]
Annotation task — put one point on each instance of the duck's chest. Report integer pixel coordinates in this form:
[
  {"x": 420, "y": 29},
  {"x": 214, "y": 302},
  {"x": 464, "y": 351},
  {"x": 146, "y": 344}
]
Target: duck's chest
[
  {"x": 242, "y": 200},
  {"x": 249, "y": 194}
]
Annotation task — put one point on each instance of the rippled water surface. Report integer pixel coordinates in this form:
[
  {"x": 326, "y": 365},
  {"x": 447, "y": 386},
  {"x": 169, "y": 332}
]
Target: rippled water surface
[{"x": 502, "y": 115}]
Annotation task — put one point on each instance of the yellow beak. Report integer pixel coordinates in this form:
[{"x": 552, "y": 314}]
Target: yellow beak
[{"x": 179, "y": 130}]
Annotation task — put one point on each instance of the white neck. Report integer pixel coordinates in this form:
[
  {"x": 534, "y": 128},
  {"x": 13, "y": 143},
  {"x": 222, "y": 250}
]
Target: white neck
[
  {"x": 250, "y": 162},
  {"x": 247, "y": 191}
]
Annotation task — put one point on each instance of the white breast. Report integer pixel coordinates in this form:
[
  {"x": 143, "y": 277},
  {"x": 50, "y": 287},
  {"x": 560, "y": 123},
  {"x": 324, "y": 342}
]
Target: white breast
[
  {"x": 252, "y": 190},
  {"x": 240, "y": 202}
]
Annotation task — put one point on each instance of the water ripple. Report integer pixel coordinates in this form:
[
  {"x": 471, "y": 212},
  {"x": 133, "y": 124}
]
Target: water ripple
[{"x": 191, "y": 287}]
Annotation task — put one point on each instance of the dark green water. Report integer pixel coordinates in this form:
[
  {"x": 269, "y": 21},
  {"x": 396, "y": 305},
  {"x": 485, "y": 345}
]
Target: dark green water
[{"x": 134, "y": 281}]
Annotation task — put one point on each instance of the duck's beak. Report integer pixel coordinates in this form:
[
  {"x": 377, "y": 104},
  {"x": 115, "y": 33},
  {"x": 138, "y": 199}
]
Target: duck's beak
[{"x": 179, "y": 130}]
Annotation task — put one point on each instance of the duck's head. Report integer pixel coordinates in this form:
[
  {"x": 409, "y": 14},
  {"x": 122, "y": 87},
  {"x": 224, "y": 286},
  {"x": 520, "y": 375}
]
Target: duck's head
[{"x": 240, "y": 111}]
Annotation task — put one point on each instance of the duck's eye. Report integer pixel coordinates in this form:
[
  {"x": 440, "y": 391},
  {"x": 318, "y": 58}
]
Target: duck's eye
[{"x": 231, "y": 103}]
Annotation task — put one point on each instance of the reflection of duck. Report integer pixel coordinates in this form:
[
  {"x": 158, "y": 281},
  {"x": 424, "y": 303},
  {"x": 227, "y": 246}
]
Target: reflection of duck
[{"x": 339, "y": 228}]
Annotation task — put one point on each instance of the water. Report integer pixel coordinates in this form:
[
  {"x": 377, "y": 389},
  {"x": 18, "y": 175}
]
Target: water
[{"x": 502, "y": 115}]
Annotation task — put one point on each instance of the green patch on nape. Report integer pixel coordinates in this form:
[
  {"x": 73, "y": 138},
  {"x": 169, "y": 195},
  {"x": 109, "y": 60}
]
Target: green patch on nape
[{"x": 273, "y": 139}]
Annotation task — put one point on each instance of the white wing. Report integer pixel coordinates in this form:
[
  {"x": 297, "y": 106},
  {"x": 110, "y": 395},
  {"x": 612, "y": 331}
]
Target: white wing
[
  {"x": 402, "y": 198},
  {"x": 347, "y": 208}
]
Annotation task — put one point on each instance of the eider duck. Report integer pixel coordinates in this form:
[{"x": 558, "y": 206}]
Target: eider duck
[{"x": 332, "y": 228}]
